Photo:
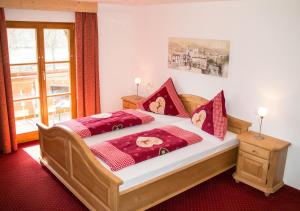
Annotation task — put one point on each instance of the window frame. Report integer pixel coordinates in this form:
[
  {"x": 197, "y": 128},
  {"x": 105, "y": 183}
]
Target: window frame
[{"x": 41, "y": 63}]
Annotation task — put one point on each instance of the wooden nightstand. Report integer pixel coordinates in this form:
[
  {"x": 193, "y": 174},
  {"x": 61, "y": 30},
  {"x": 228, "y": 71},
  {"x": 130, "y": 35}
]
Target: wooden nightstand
[
  {"x": 261, "y": 162},
  {"x": 132, "y": 101}
]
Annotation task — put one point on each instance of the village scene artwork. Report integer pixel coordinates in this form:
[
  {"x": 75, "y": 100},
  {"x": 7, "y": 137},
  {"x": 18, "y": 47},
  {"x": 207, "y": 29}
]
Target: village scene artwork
[{"x": 204, "y": 56}]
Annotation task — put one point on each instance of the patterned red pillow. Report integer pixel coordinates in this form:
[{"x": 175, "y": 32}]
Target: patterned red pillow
[
  {"x": 211, "y": 117},
  {"x": 165, "y": 101}
]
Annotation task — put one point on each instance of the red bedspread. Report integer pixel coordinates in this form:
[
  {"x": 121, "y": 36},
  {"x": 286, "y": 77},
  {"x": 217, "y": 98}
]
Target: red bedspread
[
  {"x": 106, "y": 122},
  {"x": 129, "y": 150}
]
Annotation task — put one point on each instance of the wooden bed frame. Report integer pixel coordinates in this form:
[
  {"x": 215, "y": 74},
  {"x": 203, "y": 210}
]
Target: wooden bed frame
[{"x": 66, "y": 155}]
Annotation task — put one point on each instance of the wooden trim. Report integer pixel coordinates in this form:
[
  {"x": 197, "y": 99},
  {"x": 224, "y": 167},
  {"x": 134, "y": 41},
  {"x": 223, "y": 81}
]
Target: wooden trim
[
  {"x": 59, "y": 94},
  {"x": 57, "y": 62},
  {"x": 52, "y": 62},
  {"x": 23, "y": 64},
  {"x": 73, "y": 72},
  {"x": 26, "y": 137},
  {"x": 35, "y": 24},
  {"x": 42, "y": 74},
  {"x": 68, "y": 157},
  {"x": 62, "y": 5},
  {"x": 26, "y": 98}
]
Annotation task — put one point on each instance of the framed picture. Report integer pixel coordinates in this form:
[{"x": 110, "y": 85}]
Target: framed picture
[{"x": 204, "y": 56}]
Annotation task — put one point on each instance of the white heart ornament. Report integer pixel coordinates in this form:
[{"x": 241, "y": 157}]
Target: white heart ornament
[
  {"x": 146, "y": 142},
  {"x": 199, "y": 118},
  {"x": 158, "y": 106}
]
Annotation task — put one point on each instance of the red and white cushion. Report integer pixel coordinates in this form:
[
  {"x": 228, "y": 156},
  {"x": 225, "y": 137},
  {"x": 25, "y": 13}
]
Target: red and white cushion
[
  {"x": 211, "y": 117},
  {"x": 165, "y": 101}
]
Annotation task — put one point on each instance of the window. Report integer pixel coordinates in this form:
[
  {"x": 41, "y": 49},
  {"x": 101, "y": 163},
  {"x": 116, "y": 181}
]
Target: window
[{"x": 42, "y": 73}]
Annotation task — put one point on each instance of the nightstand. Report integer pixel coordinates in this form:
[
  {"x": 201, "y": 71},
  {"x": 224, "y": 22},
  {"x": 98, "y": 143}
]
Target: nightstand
[
  {"x": 261, "y": 162},
  {"x": 132, "y": 101}
]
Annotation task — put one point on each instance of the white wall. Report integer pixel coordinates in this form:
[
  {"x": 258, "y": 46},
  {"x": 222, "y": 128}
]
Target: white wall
[
  {"x": 38, "y": 15},
  {"x": 264, "y": 60},
  {"x": 118, "y": 48}
]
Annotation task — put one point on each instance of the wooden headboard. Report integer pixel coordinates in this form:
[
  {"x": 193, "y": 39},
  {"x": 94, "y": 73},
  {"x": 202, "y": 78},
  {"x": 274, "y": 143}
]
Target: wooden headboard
[{"x": 191, "y": 102}]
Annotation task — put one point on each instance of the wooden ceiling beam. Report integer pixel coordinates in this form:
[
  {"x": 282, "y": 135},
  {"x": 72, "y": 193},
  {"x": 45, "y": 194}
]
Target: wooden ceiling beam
[{"x": 55, "y": 5}]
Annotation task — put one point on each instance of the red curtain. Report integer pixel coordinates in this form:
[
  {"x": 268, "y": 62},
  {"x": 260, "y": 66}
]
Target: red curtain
[
  {"x": 87, "y": 67},
  {"x": 7, "y": 120}
]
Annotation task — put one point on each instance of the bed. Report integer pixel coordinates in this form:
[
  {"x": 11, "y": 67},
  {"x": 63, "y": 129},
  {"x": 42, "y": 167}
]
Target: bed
[{"x": 68, "y": 157}]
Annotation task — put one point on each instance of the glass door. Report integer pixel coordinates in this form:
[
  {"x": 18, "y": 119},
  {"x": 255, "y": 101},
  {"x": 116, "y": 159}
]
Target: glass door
[
  {"x": 43, "y": 74},
  {"x": 57, "y": 70},
  {"x": 24, "y": 69}
]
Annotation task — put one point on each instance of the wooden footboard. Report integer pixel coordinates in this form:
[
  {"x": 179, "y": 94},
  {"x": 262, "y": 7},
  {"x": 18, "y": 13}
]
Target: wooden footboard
[
  {"x": 159, "y": 189},
  {"x": 69, "y": 159}
]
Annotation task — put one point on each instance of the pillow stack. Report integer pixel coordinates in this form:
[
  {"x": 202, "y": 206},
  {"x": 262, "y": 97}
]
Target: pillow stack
[{"x": 210, "y": 117}]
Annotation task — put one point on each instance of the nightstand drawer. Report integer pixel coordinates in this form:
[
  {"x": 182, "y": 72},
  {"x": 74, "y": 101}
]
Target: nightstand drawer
[
  {"x": 251, "y": 149},
  {"x": 127, "y": 105}
]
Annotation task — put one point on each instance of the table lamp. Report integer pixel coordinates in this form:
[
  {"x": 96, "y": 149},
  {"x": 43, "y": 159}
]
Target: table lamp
[
  {"x": 137, "y": 81},
  {"x": 262, "y": 112}
]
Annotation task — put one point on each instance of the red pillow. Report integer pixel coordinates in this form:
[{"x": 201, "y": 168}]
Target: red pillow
[
  {"x": 211, "y": 117},
  {"x": 165, "y": 101}
]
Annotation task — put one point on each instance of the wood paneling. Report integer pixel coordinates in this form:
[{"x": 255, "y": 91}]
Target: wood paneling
[{"x": 64, "y": 5}]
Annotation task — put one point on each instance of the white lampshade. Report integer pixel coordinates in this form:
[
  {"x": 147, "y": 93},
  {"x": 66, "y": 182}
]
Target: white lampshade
[
  {"x": 262, "y": 111},
  {"x": 137, "y": 80}
]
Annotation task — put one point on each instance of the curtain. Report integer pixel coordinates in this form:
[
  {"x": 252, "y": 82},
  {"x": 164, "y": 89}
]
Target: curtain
[
  {"x": 87, "y": 64},
  {"x": 7, "y": 120}
]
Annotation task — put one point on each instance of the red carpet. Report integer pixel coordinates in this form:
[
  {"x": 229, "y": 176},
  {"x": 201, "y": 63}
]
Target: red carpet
[{"x": 25, "y": 185}]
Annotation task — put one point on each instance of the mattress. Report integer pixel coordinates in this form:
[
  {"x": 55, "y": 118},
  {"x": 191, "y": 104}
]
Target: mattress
[{"x": 155, "y": 167}]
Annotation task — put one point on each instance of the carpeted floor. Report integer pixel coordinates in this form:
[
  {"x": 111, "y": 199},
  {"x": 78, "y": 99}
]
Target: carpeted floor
[{"x": 25, "y": 185}]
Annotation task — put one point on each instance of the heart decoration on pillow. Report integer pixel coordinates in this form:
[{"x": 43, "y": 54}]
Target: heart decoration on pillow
[
  {"x": 199, "y": 118},
  {"x": 211, "y": 117},
  {"x": 147, "y": 142},
  {"x": 158, "y": 106},
  {"x": 165, "y": 101}
]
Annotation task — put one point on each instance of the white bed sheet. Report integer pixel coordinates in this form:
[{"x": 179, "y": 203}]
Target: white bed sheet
[{"x": 149, "y": 169}]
